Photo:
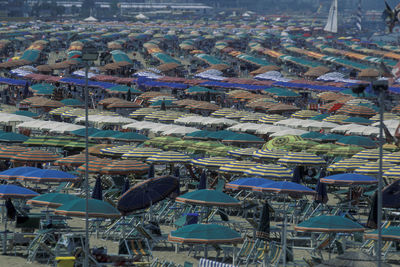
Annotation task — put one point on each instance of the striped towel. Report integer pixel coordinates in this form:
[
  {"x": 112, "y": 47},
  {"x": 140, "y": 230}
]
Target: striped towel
[{"x": 209, "y": 263}]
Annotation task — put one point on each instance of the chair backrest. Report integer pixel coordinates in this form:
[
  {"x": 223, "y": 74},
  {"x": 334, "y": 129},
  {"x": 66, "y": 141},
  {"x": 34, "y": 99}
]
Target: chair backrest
[
  {"x": 275, "y": 252},
  {"x": 339, "y": 247},
  {"x": 187, "y": 264},
  {"x": 208, "y": 263}
]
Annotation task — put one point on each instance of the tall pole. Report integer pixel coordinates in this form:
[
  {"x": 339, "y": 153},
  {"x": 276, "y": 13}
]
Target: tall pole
[
  {"x": 380, "y": 179},
  {"x": 86, "y": 263}
]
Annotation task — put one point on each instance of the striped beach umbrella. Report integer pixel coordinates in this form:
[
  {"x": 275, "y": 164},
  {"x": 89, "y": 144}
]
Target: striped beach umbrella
[
  {"x": 223, "y": 112},
  {"x": 237, "y": 166},
  {"x": 346, "y": 165},
  {"x": 141, "y": 152},
  {"x": 169, "y": 157},
  {"x": 213, "y": 162},
  {"x": 95, "y": 166},
  {"x": 7, "y": 152},
  {"x": 265, "y": 154},
  {"x": 361, "y": 111},
  {"x": 35, "y": 156},
  {"x": 244, "y": 152},
  {"x": 117, "y": 151},
  {"x": 125, "y": 167},
  {"x": 271, "y": 119},
  {"x": 270, "y": 171},
  {"x": 392, "y": 158},
  {"x": 74, "y": 160},
  {"x": 305, "y": 114},
  {"x": 339, "y": 118},
  {"x": 301, "y": 159},
  {"x": 372, "y": 168},
  {"x": 141, "y": 113},
  {"x": 370, "y": 154},
  {"x": 392, "y": 173}
]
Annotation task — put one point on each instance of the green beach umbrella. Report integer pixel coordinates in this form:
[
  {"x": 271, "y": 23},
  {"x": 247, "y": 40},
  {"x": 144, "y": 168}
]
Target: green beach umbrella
[
  {"x": 281, "y": 141},
  {"x": 345, "y": 151},
  {"x": 302, "y": 144},
  {"x": 207, "y": 197},
  {"x": 26, "y": 113},
  {"x": 72, "y": 102},
  {"x": 10, "y": 137},
  {"x": 329, "y": 224},
  {"x": 51, "y": 200},
  {"x": 322, "y": 148},
  {"x": 96, "y": 209},
  {"x": 311, "y": 135},
  {"x": 205, "y": 234},
  {"x": 357, "y": 141}
]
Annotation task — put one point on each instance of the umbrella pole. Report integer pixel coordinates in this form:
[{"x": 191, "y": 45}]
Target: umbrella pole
[
  {"x": 86, "y": 262},
  {"x": 5, "y": 237},
  {"x": 284, "y": 232},
  {"x": 205, "y": 251}
]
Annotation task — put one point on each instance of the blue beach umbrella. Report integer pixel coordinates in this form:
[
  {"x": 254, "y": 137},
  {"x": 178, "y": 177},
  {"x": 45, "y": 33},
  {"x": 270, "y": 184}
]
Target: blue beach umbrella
[
  {"x": 247, "y": 183},
  {"x": 348, "y": 179},
  {"x": 13, "y": 173},
  {"x": 14, "y": 191}
]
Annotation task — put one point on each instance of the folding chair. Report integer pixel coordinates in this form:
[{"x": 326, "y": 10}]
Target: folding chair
[{"x": 135, "y": 247}]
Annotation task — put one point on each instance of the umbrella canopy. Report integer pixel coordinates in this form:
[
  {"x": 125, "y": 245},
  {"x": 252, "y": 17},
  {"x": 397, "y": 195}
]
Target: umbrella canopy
[
  {"x": 169, "y": 157},
  {"x": 353, "y": 110},
  {"x": 346, "y": 151},
  {"x": 13, "y": 137},
  {"x": 237, "y": 166},
  {"x": 81, "y": 132},
  {"x": 242, "y": 152},
  {"x": 370, "y": 154},
  {"x": 284, "y": 187},
  {"x": 74, "y": 160},
  {"x": 35, "y": 156},
  {"x": 96, "y": 209},
  {"x": 207, "y": 197},
  {"x": 125, "y": 167},
  {"x": 266, "y": 154},
  {"x": 130, "y": 136},
  {"x": 270, "y": 171},
  {"x": 302, "y": 159},
  {"x": 247, "y": 183},
  {"x": 95, "y": 166},
  {"x": 147, "y": 193},
  {"x": 103, "y": 134},
  {"x": 51, "y": 200},
  {"x": 393, "y": 173},
  {"x": 329, "y": 223},
  {"x": 322, "y": 148},
  {"x": 205, "y": 234},
  {"x": 13, "y": 173},
  {"x": 311, "y": 135},
  {"x": 14, "y": 191},
  {"x": 392, "y": 158},
  {"x": 348, "y": 179},
  {"x": 357, "y": 141},
  {"x": 392, "y": 233},
  {"x": 302, "y": 144},
  {"x": 7, "y": 152},
  {"x": 213, "y": 162},
  {"x": 270, "y": 119},
  {"x": 141, "y": 152},
  {"x": 346, "y": 165},
  {"x": 372, "y": 168},
  {"x": 46, "y": 176},
  {"x": 281, "y": 141}
]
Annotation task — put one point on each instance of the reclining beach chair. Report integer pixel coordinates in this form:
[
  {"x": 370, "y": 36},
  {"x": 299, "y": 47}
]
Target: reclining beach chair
[{"x": 135, "y": 247}]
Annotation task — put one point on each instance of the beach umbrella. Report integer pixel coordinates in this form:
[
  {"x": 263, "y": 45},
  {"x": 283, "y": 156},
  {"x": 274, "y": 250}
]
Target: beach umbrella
[
  {"x": 355, "y": 110},
  {"x": 270, "y": 171},
  {"x": 322, "y": 148},
  {"x": 207, "y": 197},
  {"x": 392, "y": 173},
  {"x": 369, "y": 154},
  {"x": 203, "y": 181},
  {"x": 146, "y": 193},
  {"x": 339, "y": 118},
  {"x": 74, "y": 160},
  {"x": 348, "y": 179},
  {"x": 213, "y": 162},
  {"x": 97, "y": 190},
  {"x": 372, "y": 168},
  {"x": 302, "y": 144},
  {"x": 96, "y": 209},
  {"x": 47, "y": 175},
  {"x": 13, "y": 137},
  {"x": 35, "y": 156},
  {"x": 271, "y": 119},
  {"x": 392, "y": 158},
  {"x": 321, "y": 192},
  {"x": 130, "y": 137},
  {"x": 305, "y": 114},
  {"x": 391, "y": 233},
  {"x": 390, "y": 147},
  {"x": 284, "y": 187},
  {"x": 247, "y": 183},
  {"x": 330, "y": 137},
  {"x": 329, "y": 224},
  {"x": 26, "y": 113},
  {"x": 14, "y": 191},
  {"x": 13, "y": 173},
  {"x": 357, "y": 141},
  {"x": 243, "y": 138},
  {"x": 96, "y": 149},
  {"x": 103, "y": 134},
  {"x": 81, "y": 132},
  {"x": 358, "y": 120},
  {"x": 319, "y": 117},
  {"x": 124, "y": 167},
  {"x": 205, "y": 234},
  {"x": 141, "y": 153},
  {"x": 181, "y": 144},
  {"x": 265, "y": 154},
  {"x": 302, "y": 159},
  {"x": 117, "y": 150},
  {"x": 237, "y": 166},
  {"x": 161, "y": 141},
  {"x": 247, "y": 152},
  {"x": 346, "y": 165},
  {"x": 95, "y": 166},
  {"x": 51, "y": 200},
  {"x": 7, "y": 152},
  {"x": 170, "y": 157},
  {"x": 345, "y": 151},
  {"x": 311, "y": 135},
  {"x": 281, "y": 141}
]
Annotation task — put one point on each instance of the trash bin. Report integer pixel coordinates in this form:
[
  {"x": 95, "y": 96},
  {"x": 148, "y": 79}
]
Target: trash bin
[
  {"x": 191, "y": 218},
  {"x": 65, "y": 261}
]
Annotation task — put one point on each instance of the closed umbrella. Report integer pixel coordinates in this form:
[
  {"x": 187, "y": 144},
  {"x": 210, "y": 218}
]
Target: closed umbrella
[
  {"x": 203, "y": 181},
  {"x": 322, "y": 194},
  {"x": 264, "y": 224},
  {"x": 125, "y": 187},
  {"x": 97, "y": 190}
]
